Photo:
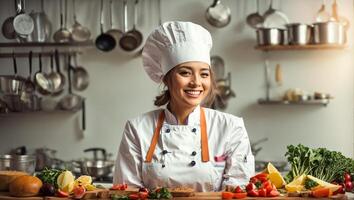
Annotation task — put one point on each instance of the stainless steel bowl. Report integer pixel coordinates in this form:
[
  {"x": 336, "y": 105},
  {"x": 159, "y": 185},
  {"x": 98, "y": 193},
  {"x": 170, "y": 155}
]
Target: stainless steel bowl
[
  {"x": 5, "y": 162},
  {"x": 270, "y": 36},
  {"x": 11, "y": 85},
  {"x": 330, "y": 32},
  {"x": 299, "y": 34},
  {"x": 96, "y": 168}
]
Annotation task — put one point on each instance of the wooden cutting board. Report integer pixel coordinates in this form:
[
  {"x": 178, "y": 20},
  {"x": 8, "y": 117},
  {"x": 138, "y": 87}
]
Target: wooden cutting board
[
  {"x": 6, "y": 196},
  {"x": 102, "y": 195}
]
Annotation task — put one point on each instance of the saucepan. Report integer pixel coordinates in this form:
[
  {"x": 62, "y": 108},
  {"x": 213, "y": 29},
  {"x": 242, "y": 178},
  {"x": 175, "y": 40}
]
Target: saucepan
[
  {"x": 331, "y": 32},
  {"x": 299, "y": 34},
  {"x": 270, "y": 36},
  {"x": 12, "y": 85}
]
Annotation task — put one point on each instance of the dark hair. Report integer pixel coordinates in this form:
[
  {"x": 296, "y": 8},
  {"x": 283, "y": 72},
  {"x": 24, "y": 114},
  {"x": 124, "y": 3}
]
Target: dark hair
[{"x": 165, "y": 96}]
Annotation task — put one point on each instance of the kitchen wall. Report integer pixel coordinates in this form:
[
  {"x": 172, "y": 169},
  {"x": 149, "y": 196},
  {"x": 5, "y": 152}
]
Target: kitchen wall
[{"x": 119, "y": 88}]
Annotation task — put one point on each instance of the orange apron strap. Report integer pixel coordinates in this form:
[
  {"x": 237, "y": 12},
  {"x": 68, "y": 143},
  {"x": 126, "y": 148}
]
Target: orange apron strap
[
  {"x": 155, "y": 137},
  {"x": 204, "y": 136}
]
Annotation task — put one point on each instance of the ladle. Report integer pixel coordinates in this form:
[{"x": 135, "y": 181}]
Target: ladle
[
  {"x": 79, "y": 33},
  {"x": 322, "y": 15},
  {"x": 115, "y": 33},
  {"x": 104, "y": 42},
  {"x": 255, "y": 20},
  {"x": 63, "y": 35},
  {"x": 218, "y": 15}
]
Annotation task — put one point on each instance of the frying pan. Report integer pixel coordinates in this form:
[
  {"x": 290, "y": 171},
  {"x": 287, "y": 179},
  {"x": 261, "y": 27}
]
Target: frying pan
[
  {"x": 138, "y": 35},
  {"x": 104, "y": 42},
  {"x": 115, "y": 33},
  {"x": 8, "y": 26},
  {"x": 23, "y": 23},
  {"x": 128, "y": 41}
]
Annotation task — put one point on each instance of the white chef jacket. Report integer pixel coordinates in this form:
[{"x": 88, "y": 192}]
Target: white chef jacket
[{"x": 178, "y": 146}]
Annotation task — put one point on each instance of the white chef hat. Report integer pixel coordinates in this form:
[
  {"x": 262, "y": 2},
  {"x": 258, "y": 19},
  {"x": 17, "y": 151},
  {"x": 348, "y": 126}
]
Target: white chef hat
[{"x": 174, "y": 43}]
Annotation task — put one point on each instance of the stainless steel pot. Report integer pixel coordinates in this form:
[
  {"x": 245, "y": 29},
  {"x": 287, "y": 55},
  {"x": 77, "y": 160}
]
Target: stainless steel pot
[
  {"x": 299, "y": 34},
  {"x": 330, "y": 32},
  {"x": 5, "y": 162},
  {"x": 26, "y": 163},
  {"x": 270, "y": 36}
]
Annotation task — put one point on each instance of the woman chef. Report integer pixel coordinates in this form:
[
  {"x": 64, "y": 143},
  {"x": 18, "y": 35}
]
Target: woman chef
[{"x": 183, "y": 144}]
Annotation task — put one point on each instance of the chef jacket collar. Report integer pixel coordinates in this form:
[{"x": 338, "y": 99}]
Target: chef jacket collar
[{"x": 193, "y": 117}]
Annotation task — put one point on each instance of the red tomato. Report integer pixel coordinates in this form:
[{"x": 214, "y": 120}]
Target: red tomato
[
  {"x": 347, "y": 177},
  {"x": 119, "y": 187},
  {"x": 348, "y": 186},
  {"x": 273, "y": 193},
  {"x": 143, "y": 195},
  {"x": 238, "y": 189},
  {"x": 254, "y": 180},
  {"x": 262, "y": 192},
  {"x": 227, "y": 195},
  {"x": 250, "y": 186},
  {"x": 253, "y": 193},
  {"x": 262, "y": 177},
  {"x": 134, "y": 196},
  {"x": 79, "y": 192},
  {"x": 321, "y": 192},
  {"x": 240, "y": 195},
  {"x": 62, "y": 194}
]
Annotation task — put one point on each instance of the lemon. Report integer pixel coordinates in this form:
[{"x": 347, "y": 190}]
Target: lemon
[
  {"x": 324, "y": 184},
  {"x": 90, "y": 187},
  {"x": 297, "y": 184},
  {"x": 84, "y": 180},
  {"x": 275, "y": 177},
  {"x": 68, "y": 188},
  {"x": 66, "y": 180}
]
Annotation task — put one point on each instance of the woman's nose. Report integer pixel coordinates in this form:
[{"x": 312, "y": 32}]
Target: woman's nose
[{"x": 195, "y": 80}]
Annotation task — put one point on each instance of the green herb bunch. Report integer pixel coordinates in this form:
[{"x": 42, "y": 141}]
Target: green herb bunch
[
  {"x": 321, "y": 163},
  {"x": 50, "y": 176}
]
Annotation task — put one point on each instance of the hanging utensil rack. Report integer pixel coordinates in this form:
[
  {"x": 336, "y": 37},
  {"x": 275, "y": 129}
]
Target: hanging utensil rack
[{"x": 43, "y": 48}]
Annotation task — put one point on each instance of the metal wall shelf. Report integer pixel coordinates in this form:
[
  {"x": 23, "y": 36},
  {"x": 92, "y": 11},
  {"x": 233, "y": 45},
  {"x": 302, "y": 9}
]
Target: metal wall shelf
[
  {"x": 322, "y": 102},
  {"x": 43, "y": 48},
  {"x": 300, "y": 47}
]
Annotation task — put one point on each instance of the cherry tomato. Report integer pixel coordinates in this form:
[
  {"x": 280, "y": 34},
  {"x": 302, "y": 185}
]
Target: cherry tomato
[
  {"x": 262, "y": 192},
  {"x": 347, "y": 177},
  {"x": 253, "y": 193},
  {"x": 340, "y": 190},
  {"x": 119, "y": 187},
  {"x": 348, "y": 186},
  {"x": 240, "y": 195},
  {"x": 227, "y": 195},
  {"x": 238, "y": 189}
]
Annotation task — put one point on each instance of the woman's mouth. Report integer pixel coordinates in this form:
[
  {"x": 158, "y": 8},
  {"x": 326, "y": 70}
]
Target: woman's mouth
[{"x": 193, "y": 93}]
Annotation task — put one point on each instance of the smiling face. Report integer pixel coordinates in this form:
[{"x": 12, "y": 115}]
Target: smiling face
[{"x": 189, "y": 84}]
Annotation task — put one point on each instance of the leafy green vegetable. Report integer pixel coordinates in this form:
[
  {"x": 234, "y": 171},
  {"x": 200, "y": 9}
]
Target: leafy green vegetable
[
  {"x": 161, "y": 193},
  {"x": 50, "y": 176},
  {"x": 310, "y": 184},
  {"x": 321, "y": 163}
]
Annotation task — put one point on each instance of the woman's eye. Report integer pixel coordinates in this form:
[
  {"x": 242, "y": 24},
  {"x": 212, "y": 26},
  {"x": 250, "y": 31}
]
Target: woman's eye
[
  {"x": 185, "y": 73},
  {"x": 204, "y": 75}
]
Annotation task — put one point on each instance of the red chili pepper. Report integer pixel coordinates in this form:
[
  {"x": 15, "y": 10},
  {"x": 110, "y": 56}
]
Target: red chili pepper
[
  {"x": 62, "y": 194},
  {"x": 262, "y": 192},
  {"x": 253, "y": 193},
  {"x": 250, "y": 186},
  {"x": 119, "y": 187},
  {"x": 143, "y": 195},
  {"x": 262, "y": 177}
]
